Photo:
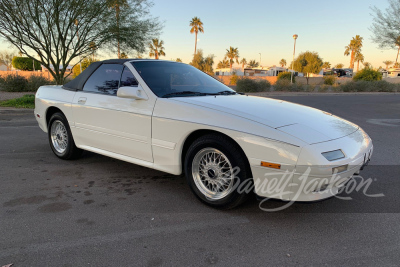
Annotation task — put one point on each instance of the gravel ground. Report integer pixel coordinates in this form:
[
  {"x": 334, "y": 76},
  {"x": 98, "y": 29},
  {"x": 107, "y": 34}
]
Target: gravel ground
[{"x": 12, "y": 95}]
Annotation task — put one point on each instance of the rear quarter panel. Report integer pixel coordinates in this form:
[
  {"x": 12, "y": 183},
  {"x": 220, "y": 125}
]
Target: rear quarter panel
[{"x": 53, "y": 96}]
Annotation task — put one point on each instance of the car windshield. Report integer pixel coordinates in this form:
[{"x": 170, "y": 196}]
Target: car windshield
[{"x": 172, "y": 79}]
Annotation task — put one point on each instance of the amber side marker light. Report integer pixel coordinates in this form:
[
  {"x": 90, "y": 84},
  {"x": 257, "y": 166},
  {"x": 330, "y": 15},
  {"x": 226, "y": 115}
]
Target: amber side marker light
[{"x": 270, "y": 165}]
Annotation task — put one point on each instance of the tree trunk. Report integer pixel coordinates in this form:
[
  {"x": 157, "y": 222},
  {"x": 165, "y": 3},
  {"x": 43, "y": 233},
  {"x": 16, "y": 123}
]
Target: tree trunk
[
  {"x": 352, "y": 59},
  {"x": 117, "y": 15},
  {"x": 398, "y": 53},
  {"x": 156, "y": 54},
  {"x": 195, "y": 44},
  {"x": 307, "y": 77},
  {"x": 358, "y": 64}
]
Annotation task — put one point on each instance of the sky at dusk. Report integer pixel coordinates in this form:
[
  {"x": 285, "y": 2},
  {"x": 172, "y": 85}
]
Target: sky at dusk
[{"x": 267, "y": 27}]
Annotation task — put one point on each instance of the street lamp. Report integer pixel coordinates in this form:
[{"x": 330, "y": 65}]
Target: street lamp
[{"x": 294, "y": 51}]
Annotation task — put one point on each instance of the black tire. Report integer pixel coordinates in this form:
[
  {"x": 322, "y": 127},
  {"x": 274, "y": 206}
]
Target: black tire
[
  {"x": 236, "y": 158},
  {"x": 71, "y": 151}
]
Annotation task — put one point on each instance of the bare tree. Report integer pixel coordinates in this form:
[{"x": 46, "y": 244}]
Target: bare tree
[
  {"x": 49, "y": 29},
  {"x": 386, "y": 26},
  {"x": 6, "y": 58},
  {"x": 59, "y": 31}
]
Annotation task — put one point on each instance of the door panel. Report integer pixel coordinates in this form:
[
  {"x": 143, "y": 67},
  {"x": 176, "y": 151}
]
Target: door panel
[{"x": 111, "y": 123}]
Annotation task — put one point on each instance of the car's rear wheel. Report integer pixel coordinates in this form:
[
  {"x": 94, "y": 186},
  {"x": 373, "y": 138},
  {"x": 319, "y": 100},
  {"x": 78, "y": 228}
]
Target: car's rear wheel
[
  {"x": 215, "y": 167},
  {"x": 60, "y": 138}
]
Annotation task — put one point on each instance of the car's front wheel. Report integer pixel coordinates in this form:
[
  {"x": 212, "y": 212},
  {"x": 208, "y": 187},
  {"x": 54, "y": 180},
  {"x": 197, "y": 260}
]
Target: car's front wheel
[
  {"x": 60, "y": 138},
  {"x": 216, "y": 171}
]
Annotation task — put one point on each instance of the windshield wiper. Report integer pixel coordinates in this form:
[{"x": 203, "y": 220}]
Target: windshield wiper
[
  {"x": 226, "y": 92},
  {"x": 184, "y": 93}
]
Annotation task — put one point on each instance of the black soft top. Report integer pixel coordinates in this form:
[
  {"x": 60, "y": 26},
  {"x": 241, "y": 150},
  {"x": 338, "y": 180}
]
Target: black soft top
[{"x": 79, "y": 81}]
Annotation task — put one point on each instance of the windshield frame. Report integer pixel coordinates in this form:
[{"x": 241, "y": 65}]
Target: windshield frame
[{"x": 220, "y": 87}]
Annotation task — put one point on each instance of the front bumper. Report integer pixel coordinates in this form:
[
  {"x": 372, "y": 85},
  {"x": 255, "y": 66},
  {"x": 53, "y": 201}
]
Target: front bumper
[{"x": 313, "y": 179}]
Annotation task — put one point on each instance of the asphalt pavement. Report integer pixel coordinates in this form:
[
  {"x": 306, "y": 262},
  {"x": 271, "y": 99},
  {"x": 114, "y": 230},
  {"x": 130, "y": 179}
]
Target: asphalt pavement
[{"x": 98, "y": 211}]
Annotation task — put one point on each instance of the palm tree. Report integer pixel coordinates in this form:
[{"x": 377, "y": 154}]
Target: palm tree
[
  {"x": 354, "y": 47},
  {"x": 282, "y": 62},
  {"x": 367, "y": 65},
  {"x": 233, "y": 55},
  {"x": 339, "y": 66},
  {"x": 359, "y": 58},
  {"x": 387, "y": 63},
  {"x": 197, "y": 26},
  {"x": 156, "y": 48},
  {"x": 326, "y": 65},
  {"x": 117, "y": 5},
  {"x": 223, "y": 64},
  {"x": 243, "y": 62},
  {"x": 253, "y": 64}
]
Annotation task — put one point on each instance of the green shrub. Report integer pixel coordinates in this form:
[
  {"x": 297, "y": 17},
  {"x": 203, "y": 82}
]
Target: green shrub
[
  {"x": 13, "y": 83},
  {"x": 368, "y": 74},
  {"x": 247, "y": 85},
  {"x": 34, "y": 82},
  {"x": 234, "y": 79},
  {"x": 329, "y": 79},
  {"x": 25, "y": 63},
  {"x": 27, "y": 101},
  {"x": 263, "y": 85},
  {"x": 372, "y": 86},
  {"x": 323, "y": 88},
  {"x": 286, "y": 75},
  {"x": 16, "y": 83},
  {"x": 286, "y": 86}
]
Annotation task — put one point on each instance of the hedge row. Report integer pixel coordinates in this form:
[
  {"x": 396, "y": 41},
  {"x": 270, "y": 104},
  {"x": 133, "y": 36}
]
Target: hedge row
[{"x": 15, "y": 83}]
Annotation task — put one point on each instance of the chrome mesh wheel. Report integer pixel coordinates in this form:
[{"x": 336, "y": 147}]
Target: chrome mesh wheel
[
  {"x": 212, "y": 173},
  {"x": 59, "y": 136}
]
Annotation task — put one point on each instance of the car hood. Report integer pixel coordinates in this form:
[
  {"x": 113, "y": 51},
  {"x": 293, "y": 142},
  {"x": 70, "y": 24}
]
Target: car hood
[{"x": 306, "y": 123}]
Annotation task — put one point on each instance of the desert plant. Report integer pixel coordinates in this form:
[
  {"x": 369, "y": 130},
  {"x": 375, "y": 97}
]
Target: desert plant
[
  {"x": 14, "y": 83},
  {"x": 369, "y": 86},
  {"x": 330, "y": 79},
  {"x": 286, "y": 75},
  {"x": 286, "y": 86},
  {"x": 34, "y": 82},
  {"x": 247, "y": 85},
  {"x": 233, "y": 80},
  {"x": 368, "y": 74}
]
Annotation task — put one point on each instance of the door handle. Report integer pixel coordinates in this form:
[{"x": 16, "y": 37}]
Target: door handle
[{"x": 82, "y": 100}]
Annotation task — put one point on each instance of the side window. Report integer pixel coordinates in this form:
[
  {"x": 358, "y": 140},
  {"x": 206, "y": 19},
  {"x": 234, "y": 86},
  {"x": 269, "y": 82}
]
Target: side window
[
  {"x": 105, "y": 79},
  {"x": 127, "y": 78}
]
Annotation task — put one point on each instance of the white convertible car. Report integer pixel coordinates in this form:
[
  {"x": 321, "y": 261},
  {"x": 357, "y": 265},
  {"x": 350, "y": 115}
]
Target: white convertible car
[{"x": 174, "y": 118}]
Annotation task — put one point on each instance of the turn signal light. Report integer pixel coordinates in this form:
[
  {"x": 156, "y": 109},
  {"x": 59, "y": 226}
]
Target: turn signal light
[{"x": 270, "y": 165}]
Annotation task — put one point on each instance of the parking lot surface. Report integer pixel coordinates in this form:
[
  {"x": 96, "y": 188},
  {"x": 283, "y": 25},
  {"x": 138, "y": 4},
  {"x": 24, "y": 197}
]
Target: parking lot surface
[{"x": 97, "y": 211}]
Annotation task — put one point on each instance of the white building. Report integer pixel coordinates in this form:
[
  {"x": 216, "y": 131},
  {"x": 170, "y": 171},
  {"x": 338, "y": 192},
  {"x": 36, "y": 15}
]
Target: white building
[
  {"x": 3, "y": 67},
  {"x": 229, "y": 71}
]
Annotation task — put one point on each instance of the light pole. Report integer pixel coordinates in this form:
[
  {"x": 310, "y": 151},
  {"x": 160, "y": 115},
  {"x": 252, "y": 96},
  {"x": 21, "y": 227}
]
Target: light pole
[
  {"x": 260, "y": 59},
  {"x": 294, "y": 51}
]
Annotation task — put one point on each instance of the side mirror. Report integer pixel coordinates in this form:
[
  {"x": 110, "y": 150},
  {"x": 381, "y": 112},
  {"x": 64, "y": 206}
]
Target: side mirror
[{"x": 132, "y": 92}]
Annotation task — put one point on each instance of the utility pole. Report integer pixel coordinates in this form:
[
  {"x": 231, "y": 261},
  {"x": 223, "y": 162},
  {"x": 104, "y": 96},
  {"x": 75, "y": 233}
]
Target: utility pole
[{"x": 294, "y": 51}]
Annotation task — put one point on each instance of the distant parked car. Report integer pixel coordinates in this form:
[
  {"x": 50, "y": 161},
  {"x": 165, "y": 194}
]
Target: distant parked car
[
  {"x": 339, "y": 72},
  {"x": 349, "y": 72}
]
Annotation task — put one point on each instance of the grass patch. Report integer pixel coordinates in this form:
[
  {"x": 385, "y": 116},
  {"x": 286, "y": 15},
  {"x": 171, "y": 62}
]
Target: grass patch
[{"x": 27, "y": 101}]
